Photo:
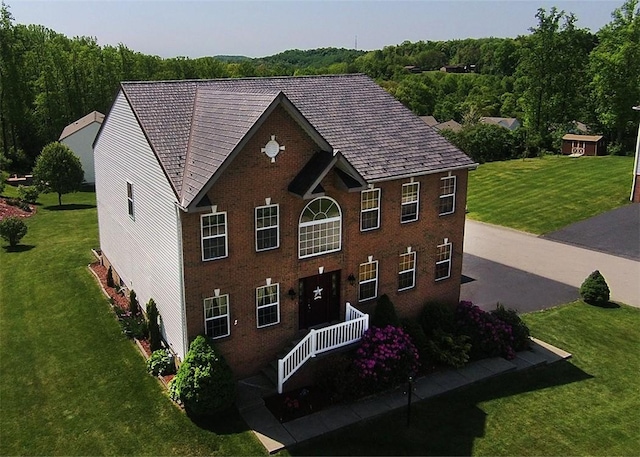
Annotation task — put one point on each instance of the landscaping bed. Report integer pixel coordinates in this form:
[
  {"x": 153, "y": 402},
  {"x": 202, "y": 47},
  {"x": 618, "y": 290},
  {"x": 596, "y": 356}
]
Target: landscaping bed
[{"x": 11, "y": 207}]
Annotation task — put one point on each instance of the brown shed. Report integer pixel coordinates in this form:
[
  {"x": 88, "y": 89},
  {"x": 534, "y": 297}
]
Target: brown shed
[{"x": 588, "y": 145}]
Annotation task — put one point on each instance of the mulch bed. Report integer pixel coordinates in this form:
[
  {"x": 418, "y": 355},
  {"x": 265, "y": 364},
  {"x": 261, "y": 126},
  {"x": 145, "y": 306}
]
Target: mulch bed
[
  {"x": 7, "y": 210},
  {"x": 297, "y": 403}
]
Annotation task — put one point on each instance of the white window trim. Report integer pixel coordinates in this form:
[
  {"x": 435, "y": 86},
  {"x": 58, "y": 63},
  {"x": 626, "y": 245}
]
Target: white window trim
[
  {"x": 223, "y": 316},
  {"x": 130, "y": 204},
  {"x": 412, "y": 270},
  {"x": 416, "y": 201},
  {"x": 377, "y": 209},
  {"x": 226, "y": 236},
  {"x": 447, "y": 261},
  {"x": 451, "y": 195},
  {"x": 277, "y": 227},
  {"x": 322, "y": 221},
  {"x": 375, "y": 279},
  {"x": 276, "y": 304}
]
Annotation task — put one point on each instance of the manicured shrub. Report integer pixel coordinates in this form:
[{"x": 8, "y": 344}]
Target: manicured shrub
[
  {"x": 520, "y": 331},
  {"x": 13, "y": 229},
  {"x": 437, "y": 316},
  {"x": 337, "y": 376},
  {"x": 418, "y": 338},
  {"x": 110, "y": 281},
  {"x": 28, "y": 194},
  {"x": 594, "y": 290},
  {"x": 161, "y": 363},
  {"x": 155, "y": 338},
  {"x": 385, "y": 313},
  {"x": 134, "y": 306},
  {"x": 445, "y": 348},
  {"x": 386, "y": 356},
  {"x": 489, "y": 335},
  {"x": 204, "y": 383}
]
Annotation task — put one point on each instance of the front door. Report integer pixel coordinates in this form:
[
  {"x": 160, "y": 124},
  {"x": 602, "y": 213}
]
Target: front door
[{"x": 319, "y": 299}]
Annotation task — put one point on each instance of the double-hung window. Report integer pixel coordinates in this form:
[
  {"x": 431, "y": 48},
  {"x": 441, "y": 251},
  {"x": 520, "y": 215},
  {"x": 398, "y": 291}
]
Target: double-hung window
[
  {"x": 214, "y": 235},
  {"x": 267, "y": 227},
  {"x": 216, "y": 316},
  {"x": 368, "y": 280},
  {"x": 447, "y": 195},
  {"x": 369, "y": 209},
  {"x": 443, "y": 260},
  {"x": 268, "y": 304},
  {"x": 410, "y": 200},
  {"x": 320, "y": 228},
  {"x": 130, "y": 199},
  {"x": 407, "y": 270}
]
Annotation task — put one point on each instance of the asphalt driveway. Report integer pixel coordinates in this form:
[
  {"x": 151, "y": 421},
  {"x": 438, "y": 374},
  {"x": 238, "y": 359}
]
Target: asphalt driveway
[{"x": 615, "y": 232}]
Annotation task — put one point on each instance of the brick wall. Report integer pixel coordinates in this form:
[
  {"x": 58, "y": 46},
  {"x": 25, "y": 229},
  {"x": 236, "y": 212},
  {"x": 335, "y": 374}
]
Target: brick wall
[{"x": 245, "y": 184}]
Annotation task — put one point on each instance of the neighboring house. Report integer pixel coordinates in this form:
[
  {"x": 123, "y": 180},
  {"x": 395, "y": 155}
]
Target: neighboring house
[
  {"x": 430, "y": 120},
  {"x": 510, "y": 123},
  {"x": 635, "y": 186},
  {"x": 578, "y": 145},
  {"x": 79, "y": 136},
  {"x": 253, "y": 209},
  {"x": 449, "y": 125}
]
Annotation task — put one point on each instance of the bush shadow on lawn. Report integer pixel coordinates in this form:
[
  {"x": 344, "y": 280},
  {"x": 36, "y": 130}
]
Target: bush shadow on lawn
[
  {"x": 227, "y": 422},
  {"x": 19, "y": 248},
  {"x": 444, "y": 425},
  {"x": 69, "y": 207},
  {"x": 608, "y": 305}
]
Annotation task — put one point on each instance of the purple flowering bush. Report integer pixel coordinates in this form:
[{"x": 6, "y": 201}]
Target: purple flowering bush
[
  {"x": 489, "y": 335},
  {"x": 385, "y": 358}
]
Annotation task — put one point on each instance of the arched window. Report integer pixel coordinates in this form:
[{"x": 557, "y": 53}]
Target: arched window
[{"x": 320, "y": 228}]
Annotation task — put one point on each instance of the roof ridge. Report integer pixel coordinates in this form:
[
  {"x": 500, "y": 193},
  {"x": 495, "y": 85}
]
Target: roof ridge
[
  {"x": 246, "y": 78},
  {"x": 185, "y": 167}
]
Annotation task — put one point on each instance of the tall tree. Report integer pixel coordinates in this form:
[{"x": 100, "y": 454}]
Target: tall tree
[{"x": 614, "y": 67}]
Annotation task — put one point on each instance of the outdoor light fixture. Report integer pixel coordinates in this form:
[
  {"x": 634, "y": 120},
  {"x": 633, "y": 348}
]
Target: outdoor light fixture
[
  {"x": 292, "y": 293},
  {"x": 351, "y": 279}
]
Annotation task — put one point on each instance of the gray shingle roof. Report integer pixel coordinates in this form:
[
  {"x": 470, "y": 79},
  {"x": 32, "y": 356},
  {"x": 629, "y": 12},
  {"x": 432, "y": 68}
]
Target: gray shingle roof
[{"x": 204, "y": 120}]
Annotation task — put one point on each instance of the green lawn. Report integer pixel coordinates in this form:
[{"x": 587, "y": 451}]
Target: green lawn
[
  {"x": 545, "y": 194},
  {"x": 587, "y": 406},
  {"x": 71, "y": 383}
]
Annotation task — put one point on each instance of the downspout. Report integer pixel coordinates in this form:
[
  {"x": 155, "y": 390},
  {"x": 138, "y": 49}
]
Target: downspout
[
  {"x": 183, "y": 304},
  {"x": 635, "y": 162}
]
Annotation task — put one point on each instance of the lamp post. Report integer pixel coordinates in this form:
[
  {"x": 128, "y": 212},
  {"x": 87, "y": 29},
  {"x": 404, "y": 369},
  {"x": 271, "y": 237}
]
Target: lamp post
[
  {"x": 635, "y": 162},
  {"x": 409, "y": 392}
]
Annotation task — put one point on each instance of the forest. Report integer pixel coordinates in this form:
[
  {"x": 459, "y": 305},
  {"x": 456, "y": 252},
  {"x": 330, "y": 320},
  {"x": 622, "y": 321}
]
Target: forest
[{"x": 549, "y": 79}]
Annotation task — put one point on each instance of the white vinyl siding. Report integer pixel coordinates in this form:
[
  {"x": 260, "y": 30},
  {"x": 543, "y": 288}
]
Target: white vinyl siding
[
  {"x": 146, "y": 252},
  {"x": 80, "y": 143}
]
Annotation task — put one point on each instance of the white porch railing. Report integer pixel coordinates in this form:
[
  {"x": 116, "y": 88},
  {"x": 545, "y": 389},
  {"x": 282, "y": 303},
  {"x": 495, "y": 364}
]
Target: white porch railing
[{"x": 323, "y": 340}]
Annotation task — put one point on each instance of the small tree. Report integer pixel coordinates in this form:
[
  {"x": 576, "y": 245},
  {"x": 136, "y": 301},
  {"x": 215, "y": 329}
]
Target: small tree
[
  {"x": 134, "y": 306},
  {"x": 384, "y": 313},
  {"x": 58, "y": 170},
  {"x": 155, "y": 338},
  {"x": 204, "y": 383},
  {"x": 12, "y": 229},
  {"x": 594, "y": 290}
]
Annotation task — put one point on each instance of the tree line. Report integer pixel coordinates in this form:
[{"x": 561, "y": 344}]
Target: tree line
[{"x": 557, "y": 74}]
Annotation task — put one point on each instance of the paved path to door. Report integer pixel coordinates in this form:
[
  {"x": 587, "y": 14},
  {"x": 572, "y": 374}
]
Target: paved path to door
[{"x": 527, "y": 272}]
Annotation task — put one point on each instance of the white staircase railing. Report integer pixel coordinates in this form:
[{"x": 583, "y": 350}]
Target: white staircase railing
[{"x": 323, "y": 340}]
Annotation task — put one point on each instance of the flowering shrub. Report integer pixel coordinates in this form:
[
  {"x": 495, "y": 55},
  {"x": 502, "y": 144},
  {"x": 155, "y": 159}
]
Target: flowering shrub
[
  {"x": 489, "y": 335},
  {"x": 385, "y": 357},
  {"x": 520, "y": 331}
]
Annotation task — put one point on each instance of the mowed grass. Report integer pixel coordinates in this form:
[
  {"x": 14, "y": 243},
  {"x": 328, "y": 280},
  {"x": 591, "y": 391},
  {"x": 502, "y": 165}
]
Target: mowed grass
[
  {"x": 542, "y": 195},
  {"x": 70, "y": 382},
  {"x": 589, "y": 405}
]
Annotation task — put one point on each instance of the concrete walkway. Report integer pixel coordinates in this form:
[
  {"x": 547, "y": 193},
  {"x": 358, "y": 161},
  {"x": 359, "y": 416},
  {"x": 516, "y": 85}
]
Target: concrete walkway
[
  {"x": 276, "y": 436},
  {"x": 560, "y": 265}
]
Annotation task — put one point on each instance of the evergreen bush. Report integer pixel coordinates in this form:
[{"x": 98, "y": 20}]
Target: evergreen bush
[
  {"x": 384, "y": 313},
  {"x": 594, "y": 290},
  {"x": 204, "y": 383},
  {"x": 448, "y": 349},
  {"x": 13, "y": 229},
  {"x": 436, "y": 316},
  {"x": 155, "y": 338},
  {"x": 419, "y": 339},
  {"x": 161, "y": 363},
  {"x": 28, "y": 194},
  {"x": 110, "y": 281},
  {"x": 134, "y": 306}
]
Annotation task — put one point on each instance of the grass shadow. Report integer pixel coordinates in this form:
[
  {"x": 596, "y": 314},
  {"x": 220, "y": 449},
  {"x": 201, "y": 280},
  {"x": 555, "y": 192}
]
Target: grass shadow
[
  {"x": 448, "y": 424},
  {"x": 227, "y": 422},
  {"x": 19, "y": 248},
  {"x": 609, "y": 305},
  {"x": 68, "y": 207}
]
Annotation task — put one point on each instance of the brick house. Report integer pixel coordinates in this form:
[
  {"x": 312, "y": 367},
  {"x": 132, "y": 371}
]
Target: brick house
[{"x": 253, "y": 209}]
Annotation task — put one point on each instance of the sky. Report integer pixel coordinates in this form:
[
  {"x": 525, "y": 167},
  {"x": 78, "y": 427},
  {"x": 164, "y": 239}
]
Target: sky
[{"x": 173, "y": 28}]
